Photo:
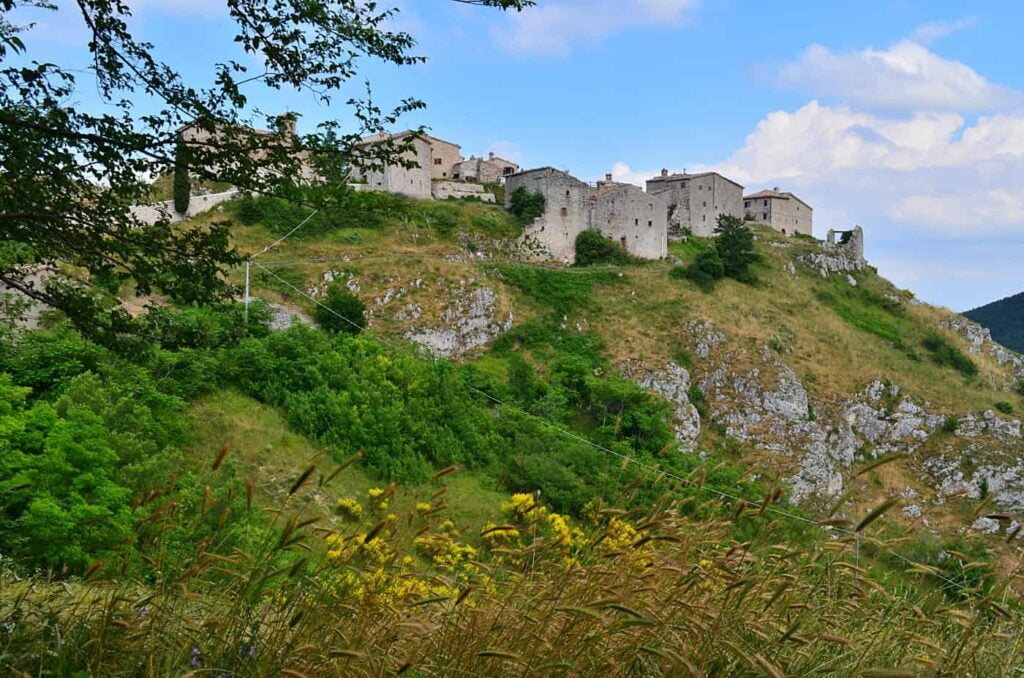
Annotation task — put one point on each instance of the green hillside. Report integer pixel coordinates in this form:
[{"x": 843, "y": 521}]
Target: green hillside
[
  {"x": 513, "y": 463},
  {"x": 1005, "y": 319}
]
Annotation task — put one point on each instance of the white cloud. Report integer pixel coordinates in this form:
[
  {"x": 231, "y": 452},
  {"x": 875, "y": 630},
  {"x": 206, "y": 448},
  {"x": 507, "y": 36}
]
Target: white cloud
[
  {"x": 932, "y": 172},
  {"x": 934, "y": 30},
  {"x": 554, "y": 26},
  {"x": 906, "y": 76}
]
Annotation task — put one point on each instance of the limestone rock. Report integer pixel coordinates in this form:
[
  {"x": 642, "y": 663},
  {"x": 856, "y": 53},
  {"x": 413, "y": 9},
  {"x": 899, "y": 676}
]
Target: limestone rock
[
  {"x": 468, "y": 322},
  {"x": 672, "y": 383}
]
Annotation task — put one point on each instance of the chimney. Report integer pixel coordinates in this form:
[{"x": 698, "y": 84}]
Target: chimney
[
  {"x": 608, "y": 176},
  {"x": 776, "y": 189},
  {"x": 490, "y": 155},
  {"x": 664, "y": 172}
]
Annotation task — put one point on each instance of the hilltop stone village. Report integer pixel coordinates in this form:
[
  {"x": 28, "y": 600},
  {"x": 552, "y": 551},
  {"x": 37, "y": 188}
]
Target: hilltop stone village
[{"x": 643, "y": 222}]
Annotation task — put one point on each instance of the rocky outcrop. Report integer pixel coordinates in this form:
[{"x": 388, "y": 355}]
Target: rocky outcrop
[
  {"x": 829, "y": 262},
  {"x": 671, "y": 382},
  {"x": 980, "y": 341},
  {"x": 888, "y": 421},
  {"x": 470, "y": 320}
]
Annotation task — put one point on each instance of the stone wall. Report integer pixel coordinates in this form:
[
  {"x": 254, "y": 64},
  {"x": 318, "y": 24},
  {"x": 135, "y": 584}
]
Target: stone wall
[
  {"x": 478, "y": 169},
  {"x": 631, "y": 217},
  {"x": 442, "y": 190},
  {"x": 622, "y": 212},
  {"x": 414, "y": 182},
  {"x": 197, "y": 204},
  {"x": 695, "y": 201},
  {"x": 566, "y": 211},
  {"x": 783, "y": 212}
]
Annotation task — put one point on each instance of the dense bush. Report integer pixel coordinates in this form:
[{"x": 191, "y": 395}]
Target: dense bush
[
  {"x": 594, "y": 248},
  {"x": 705, "y": 270},
  {"x": 735, "y": 247},
  {"x": 1004, "y": 407},
  {"x": 526, "y": 205},
  {"x": 340, "y": 310},
  {"x": 945, "y": 353}
]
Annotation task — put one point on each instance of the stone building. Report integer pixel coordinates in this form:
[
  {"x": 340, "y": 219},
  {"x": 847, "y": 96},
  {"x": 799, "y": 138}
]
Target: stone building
[
  {"x": 696, "y": 200},
  {"x": 414, "y": 182},
  {"x": 444, "y": 156},
  {"x": 622, "y": 212},
  {"x": 490, "y": 170},
  {"x": 217, "y": 140},
  {"x": 783, "y": 211}
]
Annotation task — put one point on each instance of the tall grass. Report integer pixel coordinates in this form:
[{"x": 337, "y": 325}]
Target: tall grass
[{"x": 648, "y": 592}]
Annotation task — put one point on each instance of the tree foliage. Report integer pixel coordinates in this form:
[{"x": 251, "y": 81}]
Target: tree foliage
[
  {"x": 182, "y": 182},
  {"x": 69, "y": 176},
  {"x": 341, "y": 311},
  {"x": 526, "y": 205},
  {"x": 594, "y": 248},
  {"x": 735, "y": 247}
]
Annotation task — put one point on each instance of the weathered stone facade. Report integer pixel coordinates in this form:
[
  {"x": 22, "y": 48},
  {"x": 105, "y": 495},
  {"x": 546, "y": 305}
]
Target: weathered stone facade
[
  {"x": 491, "y": 170},
  {"x": 623, "y": 212},
  {"x": 696, "y": 200},
  {"x": 414, "y": 182},
  {"x": 444, "y": 155},
  {"x": 782, "y": 211}
]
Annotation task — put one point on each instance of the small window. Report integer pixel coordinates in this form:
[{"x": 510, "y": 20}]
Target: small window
[
  {"x": 746, "y": 203},
  {"x": 438, "y": 161},
  {"x": 649, "y": 223},
  {"x": 567, "y": 194},
  {"x": 766, "y": 202},
  {"x": 444, "y": 174},
  {"x": 703, "y": 217},
  {"x": 565, "y": 211},
  {"x": 765, "y": 216},
  {"x": 783, "y": 231},
  {"x": 636, "y": 222},
  {"x": 705, "y": 203}
]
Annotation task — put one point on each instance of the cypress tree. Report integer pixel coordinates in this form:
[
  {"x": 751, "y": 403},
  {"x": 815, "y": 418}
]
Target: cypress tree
[{"x": 182, "y": 183}]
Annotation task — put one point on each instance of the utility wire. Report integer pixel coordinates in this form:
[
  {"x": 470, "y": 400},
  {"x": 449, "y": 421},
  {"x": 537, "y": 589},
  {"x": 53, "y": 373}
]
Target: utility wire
[
  {"x": 627, "y": 459},
  {"x": 285, "y": 236}
]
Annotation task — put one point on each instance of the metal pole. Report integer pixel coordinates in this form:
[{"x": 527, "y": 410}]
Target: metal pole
[{"x": 248, "y": 263}]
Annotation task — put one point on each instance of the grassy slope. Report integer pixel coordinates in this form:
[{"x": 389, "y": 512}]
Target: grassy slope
[
  {"x": 262, "y": 446},
  {"x": 838, "y": 338}
]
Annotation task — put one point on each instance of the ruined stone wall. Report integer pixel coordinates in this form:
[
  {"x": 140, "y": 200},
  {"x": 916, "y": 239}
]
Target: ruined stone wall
[
  {"x": 442, "y": 190},
  {"x": 676, "y": 195},
  {"x": 631, "y": 217},
  {"x": 566, "y": 212}
]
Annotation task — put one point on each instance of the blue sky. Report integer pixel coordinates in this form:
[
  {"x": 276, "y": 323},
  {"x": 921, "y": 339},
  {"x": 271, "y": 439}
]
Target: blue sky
[{"x": 906, "y": 117}]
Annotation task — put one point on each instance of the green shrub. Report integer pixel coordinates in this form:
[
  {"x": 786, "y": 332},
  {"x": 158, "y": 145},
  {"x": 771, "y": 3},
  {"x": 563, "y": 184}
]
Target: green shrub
[
  {"x": 340, "y": 311},
  {"x": 944, "y": 353},
  {"x": 950, "y": 424},
  {"x": 700, "y": 401},
  {"x": 1019, "y": 387},
  {"x": 182, "y": 181},
  {"x": 594, "y": 248},
  {"x": 735, "y": 247},
  {"x": 526, "y": 205},
  {"x": 1004, "y": 407},
  {"x": 706, "y": 270}
]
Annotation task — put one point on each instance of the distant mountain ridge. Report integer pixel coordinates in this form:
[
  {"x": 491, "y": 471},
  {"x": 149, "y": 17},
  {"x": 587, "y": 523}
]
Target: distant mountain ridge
[{"x": 1004, "y": 318}]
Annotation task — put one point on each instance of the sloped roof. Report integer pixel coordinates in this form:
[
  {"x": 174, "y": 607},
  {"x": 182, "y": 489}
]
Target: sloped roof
[
  {"x": 686, "y": 175},
  {"x": 775, "y": 195}
]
